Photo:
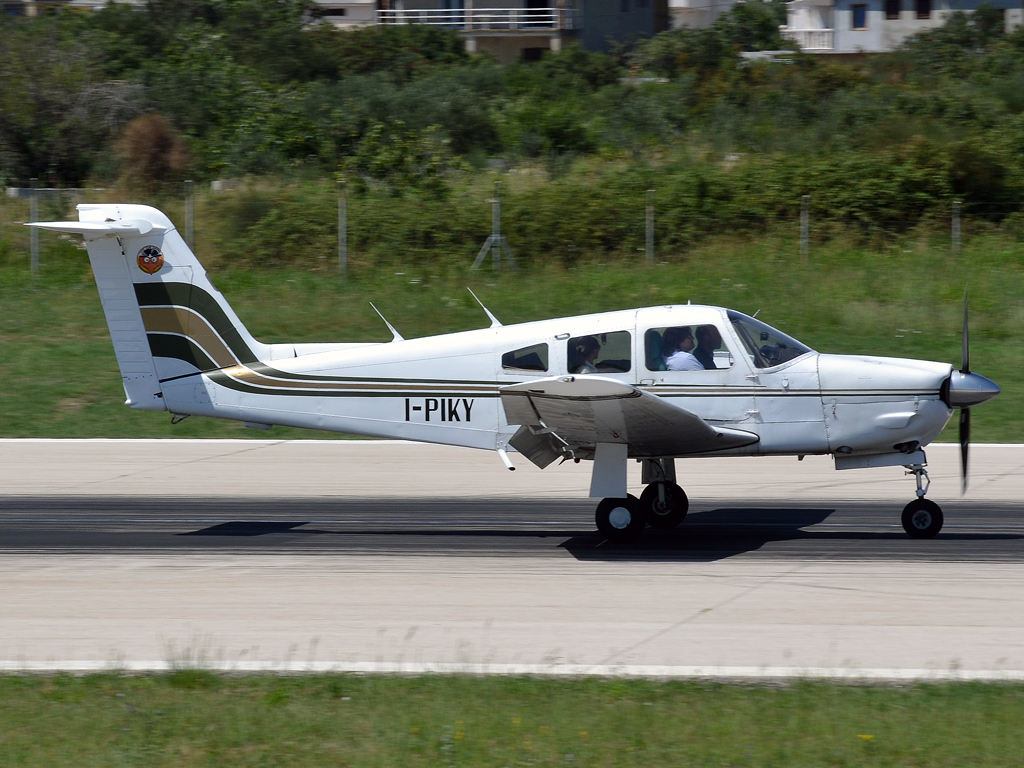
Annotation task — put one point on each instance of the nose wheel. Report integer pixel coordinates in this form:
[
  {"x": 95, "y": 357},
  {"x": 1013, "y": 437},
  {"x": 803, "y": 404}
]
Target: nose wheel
[{"x": 922, "y": 518}]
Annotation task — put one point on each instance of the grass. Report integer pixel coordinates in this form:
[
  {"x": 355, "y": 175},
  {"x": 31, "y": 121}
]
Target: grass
[
  {"x": 195, "y": 718},
  {"x": 900, "y": 298}
]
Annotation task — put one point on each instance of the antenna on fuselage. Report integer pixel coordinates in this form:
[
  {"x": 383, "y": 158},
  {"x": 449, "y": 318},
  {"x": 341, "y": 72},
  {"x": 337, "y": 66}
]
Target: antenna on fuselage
[
  {"x": 495, "y": 322},
  {"x": 396, "y": 334}
]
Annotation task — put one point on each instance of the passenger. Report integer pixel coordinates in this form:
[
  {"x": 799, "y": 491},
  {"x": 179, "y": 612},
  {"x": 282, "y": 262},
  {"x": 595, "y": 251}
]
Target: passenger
[
  {"x": 587, "y": 350},
  {"x": 708, "y": 340},
  {"x": 678, "y": 344}
]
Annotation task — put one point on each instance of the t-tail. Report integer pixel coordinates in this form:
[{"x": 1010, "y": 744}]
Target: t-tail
[{"x": 166, "y": 320}]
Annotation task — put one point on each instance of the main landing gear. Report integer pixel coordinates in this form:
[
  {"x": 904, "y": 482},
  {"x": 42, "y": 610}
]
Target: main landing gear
[
  {"x": 922, "y": 518},
  {"x": 662, "y": 505}
]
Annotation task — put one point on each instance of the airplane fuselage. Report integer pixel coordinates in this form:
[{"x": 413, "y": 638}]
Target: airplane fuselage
[{"x": 445, "y": 389}]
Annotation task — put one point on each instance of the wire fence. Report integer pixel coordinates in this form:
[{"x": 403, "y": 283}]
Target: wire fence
[{"x": 655, "y": 226}]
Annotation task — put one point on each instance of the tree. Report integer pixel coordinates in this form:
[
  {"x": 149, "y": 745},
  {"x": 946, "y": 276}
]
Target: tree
[{"x": 56, "y": 110}]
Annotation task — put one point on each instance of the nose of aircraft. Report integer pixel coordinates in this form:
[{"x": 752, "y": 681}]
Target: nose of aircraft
[{"x": 969, "y": 389}]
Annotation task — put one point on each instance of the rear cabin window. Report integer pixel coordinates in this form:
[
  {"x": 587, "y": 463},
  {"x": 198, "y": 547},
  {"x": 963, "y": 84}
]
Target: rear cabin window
[
  {"x": 600, "y": 353},
  {"x": 686, "y": 348},
  {"x": 532, "y": 358}
]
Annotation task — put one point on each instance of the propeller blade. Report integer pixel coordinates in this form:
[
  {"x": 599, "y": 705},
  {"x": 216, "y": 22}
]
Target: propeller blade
[
  {"x": 965, "y": 445},
  {"x": 965, "y": 354}
]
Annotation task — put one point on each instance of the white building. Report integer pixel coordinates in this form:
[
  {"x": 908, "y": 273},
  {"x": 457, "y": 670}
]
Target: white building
[{"x": 876, "y": 26}]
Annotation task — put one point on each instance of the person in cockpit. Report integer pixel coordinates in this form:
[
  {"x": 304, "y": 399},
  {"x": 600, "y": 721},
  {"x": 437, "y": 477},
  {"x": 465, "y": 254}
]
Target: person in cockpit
[
  {"x": 678, "y": 343},
  {"x": 708, "y": 340},
  {"x": 587, "y": 350}
]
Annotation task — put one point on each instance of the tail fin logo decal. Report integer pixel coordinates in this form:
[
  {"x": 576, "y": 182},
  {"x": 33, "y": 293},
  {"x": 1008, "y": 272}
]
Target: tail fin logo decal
[{"x": 150, "y": 259}]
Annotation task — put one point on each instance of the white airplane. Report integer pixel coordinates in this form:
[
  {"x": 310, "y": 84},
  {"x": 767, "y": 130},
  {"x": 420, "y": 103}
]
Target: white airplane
[{"x": 604, "y": 388}]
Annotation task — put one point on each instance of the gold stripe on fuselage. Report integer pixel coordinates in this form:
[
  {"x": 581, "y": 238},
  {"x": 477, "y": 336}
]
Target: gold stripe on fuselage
[{"x": 192, "y": 326}]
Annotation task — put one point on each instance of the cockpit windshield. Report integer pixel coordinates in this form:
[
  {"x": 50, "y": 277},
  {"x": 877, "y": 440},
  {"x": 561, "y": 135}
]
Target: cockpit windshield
[{"x": 766, "y": 346}]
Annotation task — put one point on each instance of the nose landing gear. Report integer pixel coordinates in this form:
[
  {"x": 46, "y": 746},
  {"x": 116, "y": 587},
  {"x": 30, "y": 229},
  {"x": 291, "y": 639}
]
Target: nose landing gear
[{"x": 922, "y": 518}]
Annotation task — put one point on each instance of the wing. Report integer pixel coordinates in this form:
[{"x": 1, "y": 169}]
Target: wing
[{"x": 566, "y": 414}]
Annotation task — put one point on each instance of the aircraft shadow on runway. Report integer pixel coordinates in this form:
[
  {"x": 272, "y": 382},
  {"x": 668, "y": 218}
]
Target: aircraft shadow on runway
[
  {"x": 710, "y": 535},
  {"x": 249, "y": 528}
]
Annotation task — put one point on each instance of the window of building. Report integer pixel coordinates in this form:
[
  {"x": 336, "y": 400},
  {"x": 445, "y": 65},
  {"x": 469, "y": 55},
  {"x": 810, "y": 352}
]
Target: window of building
[
  {"x": 892, "y": 9},
  {"x": 686, "y": 348},
  {"x": 600, "y": 353},
  {"x": 924, "y": 9},
  {"x": 532, "y": 358},
  {"x": 329, "y": 12},
  {"x": 860, "y": 16}
]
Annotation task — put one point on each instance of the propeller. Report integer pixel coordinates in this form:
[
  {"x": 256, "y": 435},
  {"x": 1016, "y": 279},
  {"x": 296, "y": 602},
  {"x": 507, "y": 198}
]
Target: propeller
[{"x": 965, "y": 413}]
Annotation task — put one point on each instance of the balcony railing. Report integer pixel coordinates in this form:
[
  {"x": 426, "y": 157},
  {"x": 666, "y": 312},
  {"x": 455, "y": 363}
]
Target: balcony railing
[
  {"x": 484, "y": 19},
  {"x": 810, "y": 39}
]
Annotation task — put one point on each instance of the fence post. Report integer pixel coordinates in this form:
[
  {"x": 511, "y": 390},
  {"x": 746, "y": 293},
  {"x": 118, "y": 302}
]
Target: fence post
[
  {"x": 33, "y": 214},
  {"x": 956, "y": 228},
  {"x": 649, "y": 244},
  {"x": 342, "y": 230},
  {"x": 496, "y": 242},
  {"x": 805, "y": 226}
]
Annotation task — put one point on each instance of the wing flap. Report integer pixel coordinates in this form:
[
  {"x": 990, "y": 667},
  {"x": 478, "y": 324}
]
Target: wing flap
[{"x": 583, "y": 411}]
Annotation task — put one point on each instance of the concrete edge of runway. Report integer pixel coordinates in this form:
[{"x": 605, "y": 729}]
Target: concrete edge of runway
[{"x": 625, "y": 671}]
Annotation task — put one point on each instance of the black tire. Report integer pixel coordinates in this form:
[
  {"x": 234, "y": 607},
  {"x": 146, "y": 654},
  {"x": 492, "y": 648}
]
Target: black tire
[
  {"x": 667, "y": 515},
  {"x": 922, "y": 519},
  {"x": 620, "y": 520}
]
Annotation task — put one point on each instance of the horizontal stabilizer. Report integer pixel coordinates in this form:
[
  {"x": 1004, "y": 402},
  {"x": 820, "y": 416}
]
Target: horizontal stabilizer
[
  {"x": 583, "y": 411},
  {"x": 93, "y": 230}
]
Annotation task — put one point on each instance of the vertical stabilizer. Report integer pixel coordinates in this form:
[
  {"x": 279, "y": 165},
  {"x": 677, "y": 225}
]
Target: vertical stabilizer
[{"x": 166, "y": 320}]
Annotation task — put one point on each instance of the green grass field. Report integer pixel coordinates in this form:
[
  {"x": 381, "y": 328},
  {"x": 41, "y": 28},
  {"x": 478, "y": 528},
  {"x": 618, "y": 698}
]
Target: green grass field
[
  {"x": 194, "y": 718},
  {"x": 59, "y": 377}
]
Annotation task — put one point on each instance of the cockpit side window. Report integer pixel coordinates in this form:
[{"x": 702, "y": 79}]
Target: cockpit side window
[
  {"x": 766, "y": 346},
  {"x": 532, "y": 358},
  {"x": 686, "y": 348},
  {"x": 600, "y": 353}
]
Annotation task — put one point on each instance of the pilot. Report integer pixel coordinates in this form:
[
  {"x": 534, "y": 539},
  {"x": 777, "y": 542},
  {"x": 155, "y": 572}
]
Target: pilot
[
  {"x": 587, "y": 350},
  {"x": 708, "y": 340},
  {"x": 678, "y": 343}
]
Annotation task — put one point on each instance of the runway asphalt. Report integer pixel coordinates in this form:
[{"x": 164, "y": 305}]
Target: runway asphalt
[
  {"x": 381, "y": 556},
  {"x": 496, "y": 527}
]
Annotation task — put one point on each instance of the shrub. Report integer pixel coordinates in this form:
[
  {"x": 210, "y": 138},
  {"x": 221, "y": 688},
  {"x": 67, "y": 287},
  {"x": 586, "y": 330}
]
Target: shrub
[{"x": 152, "y": 151}]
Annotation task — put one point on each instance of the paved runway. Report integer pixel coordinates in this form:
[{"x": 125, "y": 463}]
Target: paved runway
[
  {"x": 377, "y": 555},
  {"x": 497, "y": 527}
]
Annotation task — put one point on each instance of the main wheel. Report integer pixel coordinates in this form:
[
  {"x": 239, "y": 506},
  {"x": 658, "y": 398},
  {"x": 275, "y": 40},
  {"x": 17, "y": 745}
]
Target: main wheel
[
  {"x": 922, "y": 519},
  {"x": 667, "y": 512},
  {"x": 620, "y": 520}
]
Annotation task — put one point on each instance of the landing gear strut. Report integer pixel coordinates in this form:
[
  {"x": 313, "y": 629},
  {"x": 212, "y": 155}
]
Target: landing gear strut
[
  {"x": 922, "y": 518},
  {"x": 663, "y": 505}
]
